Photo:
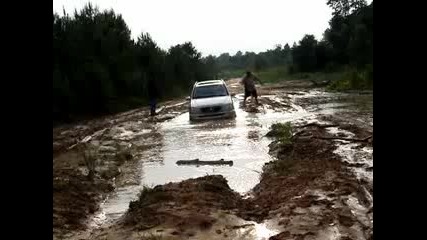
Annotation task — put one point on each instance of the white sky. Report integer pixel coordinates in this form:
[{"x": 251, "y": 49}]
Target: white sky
[{"x": 217, "y": 26}]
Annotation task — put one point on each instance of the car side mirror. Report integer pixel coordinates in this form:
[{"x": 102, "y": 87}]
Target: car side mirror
[{"x": 187, "y": 98}]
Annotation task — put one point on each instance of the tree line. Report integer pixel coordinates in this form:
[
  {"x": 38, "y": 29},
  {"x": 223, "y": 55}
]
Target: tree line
[
  {"x": 348, "y": 41},
  {"x": 98, "y": 68}
]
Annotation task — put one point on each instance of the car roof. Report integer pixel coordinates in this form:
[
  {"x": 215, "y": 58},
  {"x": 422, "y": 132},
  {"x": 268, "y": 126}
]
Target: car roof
[{"x": 209, "y": 82}]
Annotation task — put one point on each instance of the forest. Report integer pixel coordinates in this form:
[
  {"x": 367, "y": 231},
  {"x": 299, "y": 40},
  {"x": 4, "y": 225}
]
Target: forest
[{"x": 99, "y": 69}]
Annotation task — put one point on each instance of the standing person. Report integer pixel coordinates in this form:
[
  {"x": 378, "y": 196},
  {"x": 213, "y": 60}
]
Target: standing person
[
  {"x": 248, "y": 82},
  {"x": 153, "y": 95}
]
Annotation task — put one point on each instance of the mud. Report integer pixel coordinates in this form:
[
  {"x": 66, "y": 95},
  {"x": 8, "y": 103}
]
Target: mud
[
  {"x": 307, "y": 190},
  {"x": 75, "y": 198},
  {"x": 68, "y": 135},
  {"x": 181, "y": 205},
  {"x": 313, "y": 188}
]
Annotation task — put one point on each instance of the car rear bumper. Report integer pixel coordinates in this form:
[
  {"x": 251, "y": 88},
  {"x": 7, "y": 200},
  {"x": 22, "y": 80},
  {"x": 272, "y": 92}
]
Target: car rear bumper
[{"x": 208, "y": 116}]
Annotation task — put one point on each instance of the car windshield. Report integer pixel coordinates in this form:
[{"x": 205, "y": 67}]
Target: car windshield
[{"x": 210, "y": 91}]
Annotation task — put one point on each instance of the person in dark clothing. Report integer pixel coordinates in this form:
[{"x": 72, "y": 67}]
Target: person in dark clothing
[
  {"x": 153, "y": 95},
  {"x": 248, "y": 82}
]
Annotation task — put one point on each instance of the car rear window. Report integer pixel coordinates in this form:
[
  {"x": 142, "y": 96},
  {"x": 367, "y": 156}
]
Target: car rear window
[{"x": 210, "y": 91}]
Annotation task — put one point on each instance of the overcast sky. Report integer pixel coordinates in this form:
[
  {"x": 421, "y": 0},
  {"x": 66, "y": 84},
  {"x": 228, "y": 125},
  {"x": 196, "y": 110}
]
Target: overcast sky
[{"x": 217, "y": 26}]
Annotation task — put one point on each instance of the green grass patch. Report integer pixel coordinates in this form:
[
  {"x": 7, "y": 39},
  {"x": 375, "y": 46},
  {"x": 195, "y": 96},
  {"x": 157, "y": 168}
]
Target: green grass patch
[
  {"x": 272, "y": 75},
  {"x": 340, "y": 79},
  {"x": 324, "y": 76},
  {"x": 149, "y": 196},
  {"x": 282, "y": 132},
  {"x": 277, "y": 74},
  {"x": 227, "y": 74},
  {"x": 268, "y": 75},
  {"x": 353, "y": 79}
]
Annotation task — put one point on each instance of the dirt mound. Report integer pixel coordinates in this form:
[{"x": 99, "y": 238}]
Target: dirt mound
[
  {"x": 182, "y": 205},
  {"x": 297, "y": 169}
]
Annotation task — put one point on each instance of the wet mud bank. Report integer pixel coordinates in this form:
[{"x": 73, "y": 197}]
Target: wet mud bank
[
  {"x": 307, "y": 191},
  {"x": 93, "y": 159},
  {"x": 311, "y": 192},
  {"x": 317, "y": 185},
  {"x": 84, "y": 177}
]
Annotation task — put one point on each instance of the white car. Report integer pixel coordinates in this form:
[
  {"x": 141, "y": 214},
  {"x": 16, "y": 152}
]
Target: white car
[{"x": 211, "y": 100}]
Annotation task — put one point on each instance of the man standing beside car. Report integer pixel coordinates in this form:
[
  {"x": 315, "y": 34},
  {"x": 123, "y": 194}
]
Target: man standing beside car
[
  {"x": 248, "y": 82},
  {"x": 153, "y": 95}
]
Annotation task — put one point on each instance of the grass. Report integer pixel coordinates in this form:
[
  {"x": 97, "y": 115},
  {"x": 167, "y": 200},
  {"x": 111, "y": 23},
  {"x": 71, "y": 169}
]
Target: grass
[
  {"x": 281, "y": 73},
  {"x": 148, "y": 196},
  {"x": 323, "y": 76},
  {"x": 227, "y": 74},
  {"x": 146, "y": 190},
  {"x": 89, "y": 157},
  {"x": 282, "y": 132},
  {"x": 268, "y": 75},
  {"x": 353, "y": 79},
  {"x": 340, "y": 78},
  {"x": 274, "y": 74}
]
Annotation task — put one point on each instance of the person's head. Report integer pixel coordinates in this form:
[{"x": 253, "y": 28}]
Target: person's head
[{"x": 248, "y": 73}]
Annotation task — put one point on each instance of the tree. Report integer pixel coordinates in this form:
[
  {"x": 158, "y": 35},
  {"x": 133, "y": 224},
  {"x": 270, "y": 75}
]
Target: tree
[
  {"x": 287, "y": 54},
  {"x": 211, "y": 67},
  {"x": 260, "y": 62},
  {"x": 346, "y": 7},
  {"x": 304, "y": 55},
  {"x": 99, "y": 69}
]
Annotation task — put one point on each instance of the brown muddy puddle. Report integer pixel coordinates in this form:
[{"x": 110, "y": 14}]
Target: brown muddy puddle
[{"x": 240, "y": 140}]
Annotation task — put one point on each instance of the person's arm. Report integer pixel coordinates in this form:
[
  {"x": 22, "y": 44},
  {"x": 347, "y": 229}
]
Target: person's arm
[{"x": 257, "y": 80}]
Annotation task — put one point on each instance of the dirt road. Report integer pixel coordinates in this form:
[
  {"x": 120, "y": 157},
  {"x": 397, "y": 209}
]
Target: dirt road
[{"x": 319, "y": 188}]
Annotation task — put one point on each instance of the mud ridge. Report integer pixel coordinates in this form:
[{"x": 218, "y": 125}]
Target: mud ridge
[{"x": 306, "y": 189}]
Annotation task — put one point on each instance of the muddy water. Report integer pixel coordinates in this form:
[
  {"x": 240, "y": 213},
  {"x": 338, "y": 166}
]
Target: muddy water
[{"x": 240, "y": 140}]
